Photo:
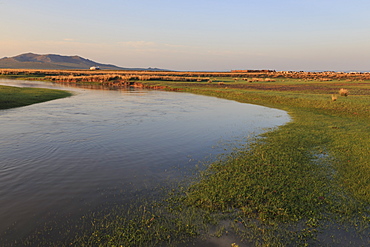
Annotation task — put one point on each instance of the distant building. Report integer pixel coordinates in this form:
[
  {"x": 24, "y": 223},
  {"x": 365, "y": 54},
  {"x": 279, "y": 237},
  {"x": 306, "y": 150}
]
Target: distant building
[{"x": 94, "y": 68}]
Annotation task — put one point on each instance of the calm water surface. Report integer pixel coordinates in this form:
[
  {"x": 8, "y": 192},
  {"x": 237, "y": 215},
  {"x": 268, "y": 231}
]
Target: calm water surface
[{"x": 62, "y": 158}]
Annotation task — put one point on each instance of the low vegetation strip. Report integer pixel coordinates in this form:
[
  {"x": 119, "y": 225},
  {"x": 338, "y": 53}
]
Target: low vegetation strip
[
  {"x": 11, "y": 97},
  {"x": 248, "y": 75}
]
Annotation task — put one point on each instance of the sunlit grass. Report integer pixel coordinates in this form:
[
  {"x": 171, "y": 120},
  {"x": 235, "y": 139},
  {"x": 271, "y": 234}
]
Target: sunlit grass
[
  {"x": 314, "y": 169},
  {"x": 15, "y": 97}
]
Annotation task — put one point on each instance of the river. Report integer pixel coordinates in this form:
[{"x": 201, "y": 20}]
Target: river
[{"x": 63, "y": 158}]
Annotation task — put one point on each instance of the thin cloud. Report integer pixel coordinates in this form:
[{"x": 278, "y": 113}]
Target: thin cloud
[
  {"x": 150, "y": 44},
  {"x": 138, "y": 44}
]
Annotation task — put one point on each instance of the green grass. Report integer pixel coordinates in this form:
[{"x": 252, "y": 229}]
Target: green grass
[
  {"x": 11, "y": 97},
  {"x": 313, "y": 169}
]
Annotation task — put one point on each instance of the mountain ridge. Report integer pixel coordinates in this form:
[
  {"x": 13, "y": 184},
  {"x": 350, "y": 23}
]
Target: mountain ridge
[{"x": 54, "y": 61}]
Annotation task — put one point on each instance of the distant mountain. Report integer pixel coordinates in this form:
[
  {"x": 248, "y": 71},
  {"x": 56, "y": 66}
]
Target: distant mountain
[{"x": 53, "y": 61}]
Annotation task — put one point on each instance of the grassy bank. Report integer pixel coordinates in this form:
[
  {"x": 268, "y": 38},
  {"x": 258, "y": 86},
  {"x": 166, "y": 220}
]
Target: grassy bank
[
  {"x": 11, "y": 97},
  {"x": 307, "y": 182}
]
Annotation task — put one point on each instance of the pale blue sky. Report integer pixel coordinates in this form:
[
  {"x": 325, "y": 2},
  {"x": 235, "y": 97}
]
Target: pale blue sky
[{"x": 193, "y": 34}]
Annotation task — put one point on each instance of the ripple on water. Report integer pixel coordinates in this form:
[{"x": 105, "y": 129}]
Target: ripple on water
[{"x": 67, "y": 156}]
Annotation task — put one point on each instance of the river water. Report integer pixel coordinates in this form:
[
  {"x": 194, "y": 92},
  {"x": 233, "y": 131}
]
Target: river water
[{"x": 63, "y": 158}]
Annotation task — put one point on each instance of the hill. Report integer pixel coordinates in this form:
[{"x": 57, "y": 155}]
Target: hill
[{"x": 53, "y": 61}]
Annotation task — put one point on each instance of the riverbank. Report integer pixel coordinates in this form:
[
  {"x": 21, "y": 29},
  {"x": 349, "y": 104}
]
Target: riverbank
[
  {"x": 305, "y": 183},
  {"x": 11, "y": 97}
]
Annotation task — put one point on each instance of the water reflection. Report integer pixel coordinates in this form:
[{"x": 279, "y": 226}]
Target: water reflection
[
  {"x": 63, "y": 158},
  {"x": 62, "y": 85}
]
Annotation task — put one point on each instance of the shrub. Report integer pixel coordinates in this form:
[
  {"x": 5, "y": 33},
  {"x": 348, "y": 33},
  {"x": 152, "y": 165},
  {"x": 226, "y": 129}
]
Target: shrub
[{"x": 343, "y": 92}]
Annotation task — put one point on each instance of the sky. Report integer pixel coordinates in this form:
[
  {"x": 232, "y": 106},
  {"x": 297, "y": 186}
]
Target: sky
[{"x": 193, "y": 35}]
